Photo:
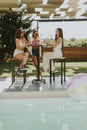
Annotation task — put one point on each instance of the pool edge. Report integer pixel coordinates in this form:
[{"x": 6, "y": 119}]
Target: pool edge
[{"x": 43, "y": 94}]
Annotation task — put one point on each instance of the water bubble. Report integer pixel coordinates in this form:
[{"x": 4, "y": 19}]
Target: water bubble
[{"x": 77, "y": 87}]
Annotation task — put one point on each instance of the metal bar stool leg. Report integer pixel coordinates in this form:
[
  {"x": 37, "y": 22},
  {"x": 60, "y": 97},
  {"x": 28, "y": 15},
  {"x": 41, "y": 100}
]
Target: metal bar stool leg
[
  {"x": 54, "y": 77},
  {"x": 64, "y": 70},
  {"x": 61, "y": 72},
  {"x": 13, "y": 72},
  {"x": 24, "y": 77},
  {"x": 54, "y": 72},
  {"x": 50, "y": 72}
]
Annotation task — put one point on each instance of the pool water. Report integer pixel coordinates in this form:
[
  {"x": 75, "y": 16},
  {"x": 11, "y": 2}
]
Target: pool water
[{"x": 43, "y": 114}]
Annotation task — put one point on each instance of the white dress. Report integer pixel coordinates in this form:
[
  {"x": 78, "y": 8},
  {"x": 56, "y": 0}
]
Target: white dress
[
  {"x": 57, "y": 53},
  {"x": 17, "y": 51}
]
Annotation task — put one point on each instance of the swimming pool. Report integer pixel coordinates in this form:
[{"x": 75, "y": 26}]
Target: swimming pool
[{"x": 43, "y": 114}]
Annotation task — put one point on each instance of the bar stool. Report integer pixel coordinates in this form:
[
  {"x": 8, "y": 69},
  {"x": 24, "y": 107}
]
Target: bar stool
[
  {"x": 13, "y": 62},
  {"x": 62, "y": 71}
]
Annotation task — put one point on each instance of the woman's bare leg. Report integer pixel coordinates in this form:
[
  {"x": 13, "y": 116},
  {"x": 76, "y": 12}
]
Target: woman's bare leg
[
  {"x": 23, "y": 57},
  {"x": 35, "y": 64},
  {"x": 20, "y": 57},
  {"x": 35, "y": 59}
]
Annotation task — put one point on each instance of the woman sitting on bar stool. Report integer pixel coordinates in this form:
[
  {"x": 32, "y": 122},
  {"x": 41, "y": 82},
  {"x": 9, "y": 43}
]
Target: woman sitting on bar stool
[
  {"x": 57, "y": 50},
  {"x": 19, "y": 53}
]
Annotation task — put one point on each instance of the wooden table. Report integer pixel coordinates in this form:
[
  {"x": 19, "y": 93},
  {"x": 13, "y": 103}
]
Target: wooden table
[{"x": 46, "y": 48}]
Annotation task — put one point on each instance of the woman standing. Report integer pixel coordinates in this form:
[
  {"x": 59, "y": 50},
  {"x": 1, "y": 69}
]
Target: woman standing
[
  {"x": 57, "y": 50},
  {"x": 35, "y": 50},
  {"x": 19, "y": 53}
]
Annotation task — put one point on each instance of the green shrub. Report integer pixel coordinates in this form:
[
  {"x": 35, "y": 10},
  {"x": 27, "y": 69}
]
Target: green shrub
[{"x": 9, "y": 22}]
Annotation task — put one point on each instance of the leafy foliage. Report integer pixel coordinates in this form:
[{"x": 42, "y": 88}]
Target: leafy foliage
[
  {"x": 9, "y": 22},
  {"x": 75, "y": 42}
]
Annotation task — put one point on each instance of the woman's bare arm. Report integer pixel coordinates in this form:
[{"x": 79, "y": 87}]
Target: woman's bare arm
[
  {"x": 18, "y": 45},
  {"x": 56, "y": 43}
]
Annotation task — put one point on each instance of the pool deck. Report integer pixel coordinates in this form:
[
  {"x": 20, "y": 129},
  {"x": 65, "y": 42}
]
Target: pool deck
[{"x": 29, "y": 90}]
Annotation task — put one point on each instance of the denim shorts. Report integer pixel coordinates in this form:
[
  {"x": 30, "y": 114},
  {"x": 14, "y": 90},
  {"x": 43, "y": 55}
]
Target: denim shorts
[{"x": 35, "y": 51}]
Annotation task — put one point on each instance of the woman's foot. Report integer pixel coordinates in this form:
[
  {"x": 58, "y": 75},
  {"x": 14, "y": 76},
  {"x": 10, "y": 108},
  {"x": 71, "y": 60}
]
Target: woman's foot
[
  {"x": 20, "y": 72},
  {"x": 23, "y": 67}
]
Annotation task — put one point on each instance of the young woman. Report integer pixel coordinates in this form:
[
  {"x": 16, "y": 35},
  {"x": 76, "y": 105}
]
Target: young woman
[
  {"x": 19, "y": 53},
  {"x": 35, "y": 55},
  {"x": 57, "y": 50}
]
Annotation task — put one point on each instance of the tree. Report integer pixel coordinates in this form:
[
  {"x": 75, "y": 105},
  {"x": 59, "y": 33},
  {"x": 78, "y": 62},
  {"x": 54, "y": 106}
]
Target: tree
[{"x": 9, "y": 22}]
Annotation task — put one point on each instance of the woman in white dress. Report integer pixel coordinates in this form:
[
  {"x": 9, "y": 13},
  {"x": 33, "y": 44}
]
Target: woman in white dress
[
  {"x": 19, "y": 53},
  {"x": 57, "y": 50}
]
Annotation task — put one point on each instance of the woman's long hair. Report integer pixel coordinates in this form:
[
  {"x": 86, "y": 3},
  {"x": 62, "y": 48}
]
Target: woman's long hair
[
  {"x": 60, "y": 35},
  {"x": 18, "y": 33},
  {"x": 34, "y": 32}
]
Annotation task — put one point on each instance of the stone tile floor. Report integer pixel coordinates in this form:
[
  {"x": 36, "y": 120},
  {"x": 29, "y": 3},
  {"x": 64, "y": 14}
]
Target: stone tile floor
[{"x": 6, "y": 86}]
